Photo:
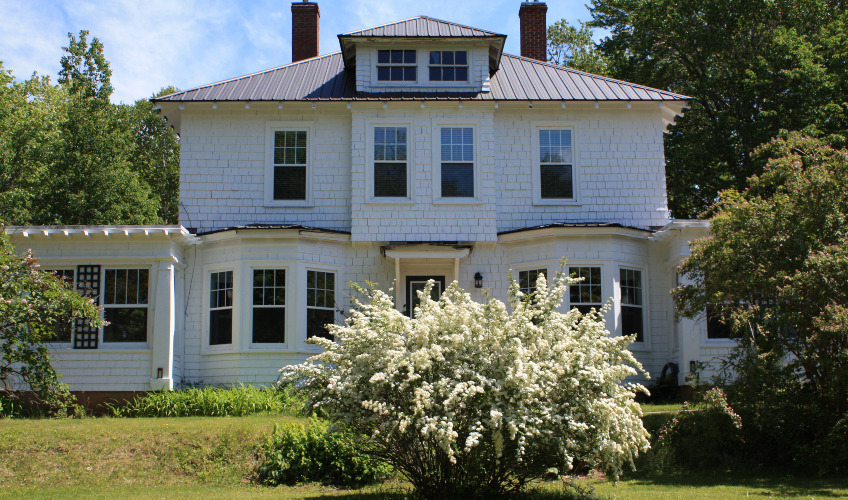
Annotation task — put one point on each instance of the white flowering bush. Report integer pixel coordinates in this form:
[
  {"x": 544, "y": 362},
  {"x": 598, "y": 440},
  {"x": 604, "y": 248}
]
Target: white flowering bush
[{"x": 467, "y": 400}]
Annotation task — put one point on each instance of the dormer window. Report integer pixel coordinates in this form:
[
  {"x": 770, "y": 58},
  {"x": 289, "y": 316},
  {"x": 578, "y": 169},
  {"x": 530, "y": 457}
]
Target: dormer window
[
  {"x": 396, "y": 66},
  {"x": 448, "y": 66}
]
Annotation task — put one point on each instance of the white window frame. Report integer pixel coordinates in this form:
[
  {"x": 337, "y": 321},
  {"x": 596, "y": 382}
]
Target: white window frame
[
  {"x": 287, "y": 330},
  {"x": 306, "y": 306},
  {"x": 567, "y": 299},
  {"x": 438, "y": 199},
  {"x": 109, "y": 346},
  {"x": 206, "y": 347},
  {"x": 450, "y": 83},
  {"x": 645, "y": 343},
  {"x": 289, "y": 126},
  {"x": 370, "y": 126},
  {"x": 535, "y": 128},
  {"x": 397, "y": 83}
]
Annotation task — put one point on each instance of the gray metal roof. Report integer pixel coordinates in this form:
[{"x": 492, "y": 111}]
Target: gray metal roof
[
  {"x": 325, "y": 78},
  {"x": 422, "y": 26}
]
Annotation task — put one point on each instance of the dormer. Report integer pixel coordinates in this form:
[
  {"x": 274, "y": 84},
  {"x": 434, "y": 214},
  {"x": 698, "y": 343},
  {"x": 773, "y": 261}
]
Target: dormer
[{"x": 422, "y": 54}]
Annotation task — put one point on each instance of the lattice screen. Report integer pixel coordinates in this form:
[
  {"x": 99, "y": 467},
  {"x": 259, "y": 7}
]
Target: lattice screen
[{"x": 88, "y": 284}]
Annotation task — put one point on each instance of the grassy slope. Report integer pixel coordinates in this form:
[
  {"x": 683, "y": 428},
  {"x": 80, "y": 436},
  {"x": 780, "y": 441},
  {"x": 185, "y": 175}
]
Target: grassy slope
[{"x": 214, "y": 457}]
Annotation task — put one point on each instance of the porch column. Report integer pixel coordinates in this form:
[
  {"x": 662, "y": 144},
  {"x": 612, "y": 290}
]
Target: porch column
[{"x": 163, "y": 329}]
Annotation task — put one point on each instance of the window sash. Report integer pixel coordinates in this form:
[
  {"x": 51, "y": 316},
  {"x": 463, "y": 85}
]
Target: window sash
[
  {"x": 448, "y": 66},
  {"x": 290, "y": 161},
  {"x": 632, "y": 310},
  {"x": 221, "y": 308},
  {"x": 586, "y": 294},
  {"x": 397, "y": 66}
]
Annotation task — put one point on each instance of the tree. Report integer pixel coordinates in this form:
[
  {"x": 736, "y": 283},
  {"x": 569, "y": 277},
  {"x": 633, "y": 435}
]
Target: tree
[
  {"x": 33, "y": 304},
  {"x": 468, "y": 400},
  {"x": 775, "y": 267},
  {"x": 753, "y": 68},
  {"x": 575, "y": 48},
  {"x": 30, "y": 112}
]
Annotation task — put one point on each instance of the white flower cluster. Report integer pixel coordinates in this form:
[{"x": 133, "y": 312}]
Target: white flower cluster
[{"x": 532, "y": 386}]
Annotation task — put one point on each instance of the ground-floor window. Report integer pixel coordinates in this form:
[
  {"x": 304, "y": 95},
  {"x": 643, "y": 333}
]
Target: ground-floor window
[
  {"x": 221, "y": 308},
  {"x": 125, "y": 304},
  {"x": 632, "y": 321},
  {"x": 269, "y": 306},
  {"x": 527, "y": 280},
  {"x": 320, "y": 303},
  {"x": 586, "y": 294}
]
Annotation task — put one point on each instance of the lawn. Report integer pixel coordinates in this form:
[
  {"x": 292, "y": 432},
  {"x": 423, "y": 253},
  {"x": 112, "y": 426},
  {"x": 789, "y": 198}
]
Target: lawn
[{"x": 214, "y": 457}]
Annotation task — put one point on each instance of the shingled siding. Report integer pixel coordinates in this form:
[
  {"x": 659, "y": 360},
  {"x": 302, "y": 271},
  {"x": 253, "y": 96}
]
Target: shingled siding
[
  {"x": 619, "y": 163},
  {"x": 223, "y": 162}
]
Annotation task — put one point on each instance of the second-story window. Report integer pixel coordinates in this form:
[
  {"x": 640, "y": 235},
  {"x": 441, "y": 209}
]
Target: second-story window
[
  {"x": 390, "y": 162},
  {"x": 396, "y": 66},
  {"x": 448, "y": 66},
  {"x": 457, "y": 155},
  {"x": 555, "y": 164},
  {"x": 290, "y": 164}
]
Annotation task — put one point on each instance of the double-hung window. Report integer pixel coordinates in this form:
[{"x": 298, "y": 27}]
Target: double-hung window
[
  {"x": 320, "y": 303},
  {"x": 390, "y": 162},
  {"x": 221, "y": 308},
  {"x": 457, "y": 162},
  {"x": 290, "y": 164},
  {"x": 716, "y": 328},
  {"x": 125, "y": 297},
  {"x": 585, "y": 294},
  {"x": 632, "y": 321},
  {"x": 269, "y": 306},
  {"x": 448, "y": 66},
  {"x": 527, "y": 280},
  {"x": 396, "y": 66},
  {"x": 556, "y": 165}
]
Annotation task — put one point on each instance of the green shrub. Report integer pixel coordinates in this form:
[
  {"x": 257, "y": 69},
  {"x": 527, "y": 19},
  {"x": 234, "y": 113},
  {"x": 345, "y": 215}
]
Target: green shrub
[
  {"x": 315, "y": 452},
  {"x": 705, "y": 434},
  {"x": 211, "y": 401}
]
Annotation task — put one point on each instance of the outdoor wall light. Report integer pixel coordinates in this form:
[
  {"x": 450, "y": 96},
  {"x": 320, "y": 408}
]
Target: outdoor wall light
[
  {"x": 478, "y": 280},
  {"x": 158, "y": 373}
]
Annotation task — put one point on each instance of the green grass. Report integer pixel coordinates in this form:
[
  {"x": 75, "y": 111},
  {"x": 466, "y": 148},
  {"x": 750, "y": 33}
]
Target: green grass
[
  {"x": 649, "y": 408},
  {"x": 212, "y": 401},
  {"x": 215, "y": 457}
]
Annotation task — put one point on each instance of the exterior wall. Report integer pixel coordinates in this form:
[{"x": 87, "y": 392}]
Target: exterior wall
[
  {"x": 223, "y": 166},
  {"x": 620, "y": 166},
  {"x": 115, "y": 366},
  {"x": 424, "y": 217}
]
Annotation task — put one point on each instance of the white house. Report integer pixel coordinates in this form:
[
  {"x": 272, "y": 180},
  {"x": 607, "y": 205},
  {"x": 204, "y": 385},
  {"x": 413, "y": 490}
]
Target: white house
[{"x": 418, "y": 151}]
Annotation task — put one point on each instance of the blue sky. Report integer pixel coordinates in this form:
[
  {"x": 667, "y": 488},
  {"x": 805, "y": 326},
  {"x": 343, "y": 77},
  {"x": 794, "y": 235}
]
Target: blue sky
[{"x": 154, "y": 43}]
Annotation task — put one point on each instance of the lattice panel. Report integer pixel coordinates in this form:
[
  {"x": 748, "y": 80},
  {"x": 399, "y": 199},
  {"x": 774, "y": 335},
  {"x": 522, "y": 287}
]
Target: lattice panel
[{"x": 88, "y": 284}]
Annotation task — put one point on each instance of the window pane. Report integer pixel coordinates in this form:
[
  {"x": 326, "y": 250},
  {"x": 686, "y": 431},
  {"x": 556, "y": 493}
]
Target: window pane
[
  {"x": 716, "y": 328},
  {"x": 269, "y": 325},
  {"x": 556, "y": 181},
  {"x": 390, "y": 179},
  {"x": 383, "y": 73},
  {"x": 125, "y": 324},
  {"x": 457, "y": 180},
  {"x": 631, "y": 322},
  {"x": 435, "y": 57},
  {"x": 316, "y": 321},
  {"x": 289, "y": 183},
  {"x": 397, "y": 73},
  {"x": 109, "y": 287},
  {"x": 460, "y": 57},
  {"x": 447, "y": 74},
  {"x": 447, "y": 57},
  {"x": 397, "y": 57},
  {"x": 409, "y": 73},
  {"x": 409, "y": 56},
  {"x": 383, "y": 56},
  {"x": 461, "y": 74},
  {"x": 221, "y": 327}
]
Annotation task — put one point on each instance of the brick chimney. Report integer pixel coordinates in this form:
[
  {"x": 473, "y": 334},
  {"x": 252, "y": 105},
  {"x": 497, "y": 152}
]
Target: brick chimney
[
  {"x": 534, "y": 30},
  {"x": 305, "y": 17}
]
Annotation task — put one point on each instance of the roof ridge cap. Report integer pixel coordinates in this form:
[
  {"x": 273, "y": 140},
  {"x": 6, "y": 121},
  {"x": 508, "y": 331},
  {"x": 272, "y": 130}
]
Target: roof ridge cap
[{"x": 601, "y": 77}]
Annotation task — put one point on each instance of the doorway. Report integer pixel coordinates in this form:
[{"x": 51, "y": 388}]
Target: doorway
[{"x": 414, "y": 284}]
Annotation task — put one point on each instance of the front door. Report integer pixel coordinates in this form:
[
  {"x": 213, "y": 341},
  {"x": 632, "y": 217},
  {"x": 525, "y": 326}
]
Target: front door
[{"x": 414, "y": 284}]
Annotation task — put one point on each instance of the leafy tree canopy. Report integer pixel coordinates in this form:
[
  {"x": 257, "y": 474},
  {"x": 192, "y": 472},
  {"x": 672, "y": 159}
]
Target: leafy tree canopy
[
  {"x": 33, "y": 305},
  {"x": 752, "y": 67},
  {"x": 775, "y": 265},
  {"x": 70, "y": 156},
  {"x": 575, "y": 48}
]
